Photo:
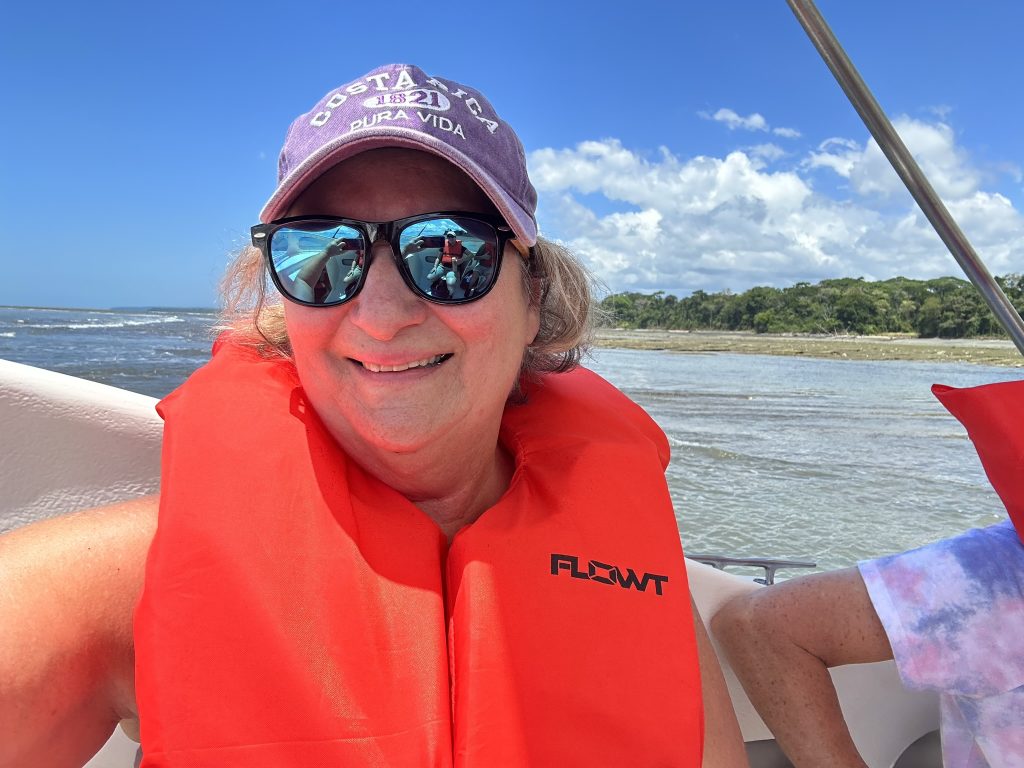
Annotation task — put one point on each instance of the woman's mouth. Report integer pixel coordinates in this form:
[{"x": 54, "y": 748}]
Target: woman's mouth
[{"x": 427, "y": 362}]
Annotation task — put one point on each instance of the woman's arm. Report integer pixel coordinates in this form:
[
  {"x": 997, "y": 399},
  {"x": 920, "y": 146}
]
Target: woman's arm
[
  {"x": 723, "y": 743},
  {"x": 782, "y": 639},
  {"x": 307, "y": 278},
  {"x": 68, "y": 587}
]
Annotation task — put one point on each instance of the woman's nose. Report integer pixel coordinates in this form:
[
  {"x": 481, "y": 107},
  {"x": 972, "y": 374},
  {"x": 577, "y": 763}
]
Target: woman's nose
[{"x": 385, "y": 305}]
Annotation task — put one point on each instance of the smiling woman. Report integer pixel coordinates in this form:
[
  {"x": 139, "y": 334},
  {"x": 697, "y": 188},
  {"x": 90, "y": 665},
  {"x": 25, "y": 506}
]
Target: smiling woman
[
  {"x": 384, "y": 497},
  {"x": 392, "y": 375}
]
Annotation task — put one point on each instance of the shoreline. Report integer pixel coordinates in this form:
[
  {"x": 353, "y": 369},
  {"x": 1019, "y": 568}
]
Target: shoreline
[{"x": 1001, "y": 352}]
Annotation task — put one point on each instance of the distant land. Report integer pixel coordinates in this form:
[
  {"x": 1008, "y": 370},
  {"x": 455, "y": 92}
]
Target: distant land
[
  {"x": 946, "y": 307},
  {"x": 980, "y": 351}
]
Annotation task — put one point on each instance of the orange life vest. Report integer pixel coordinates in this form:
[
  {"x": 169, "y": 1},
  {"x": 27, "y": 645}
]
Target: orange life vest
[
  {"x": 451, "y": 250},
  {"x": 298, "y": 612},
  {"x": 993, "y": 414}
]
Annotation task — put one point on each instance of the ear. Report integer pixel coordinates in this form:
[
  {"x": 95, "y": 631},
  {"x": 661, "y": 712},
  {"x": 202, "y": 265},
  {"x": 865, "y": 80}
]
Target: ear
[{"x": 533, "y": 316}]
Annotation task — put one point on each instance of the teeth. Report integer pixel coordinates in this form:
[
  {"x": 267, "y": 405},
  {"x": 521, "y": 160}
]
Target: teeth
[{"x": 403, "y": 366}]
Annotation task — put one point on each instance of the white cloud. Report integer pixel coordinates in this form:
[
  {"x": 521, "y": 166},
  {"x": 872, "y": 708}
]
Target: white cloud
[
  {"x": 932, "y": 145},
  {"x": 1012, "y": 170},
  {"x": 994, "y": 227},
  {"x": 787, "y": 133},
  {"x": 841, "y": 155},
  {"x": 730, "y": 222},
  {"x": 768, "y": 152},
  {"x": 752, "y": 122}
]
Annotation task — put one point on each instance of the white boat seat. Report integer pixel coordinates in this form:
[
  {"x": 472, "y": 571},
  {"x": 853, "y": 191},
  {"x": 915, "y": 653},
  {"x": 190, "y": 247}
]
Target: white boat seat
[
  {"x": 926, "y": 752},
  {"x": 765, "y": 753},
  {"x": 69, "y": 444},
  {"x": 119, "y": 752}
]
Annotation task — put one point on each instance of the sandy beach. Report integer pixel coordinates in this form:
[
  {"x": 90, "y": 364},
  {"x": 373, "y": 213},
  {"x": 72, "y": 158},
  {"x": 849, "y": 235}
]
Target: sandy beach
[{"x": 983, "y": 351}]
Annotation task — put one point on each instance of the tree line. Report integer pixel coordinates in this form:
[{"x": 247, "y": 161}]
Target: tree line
[{"x": 946, "y": 307}]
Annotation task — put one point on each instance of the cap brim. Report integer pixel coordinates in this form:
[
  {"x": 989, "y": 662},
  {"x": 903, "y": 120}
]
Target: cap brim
[{"x": 350, "y": 144}]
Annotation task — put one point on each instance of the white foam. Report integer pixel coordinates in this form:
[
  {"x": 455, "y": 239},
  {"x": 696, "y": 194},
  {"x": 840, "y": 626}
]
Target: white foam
[{"x": 116, "y": 324}]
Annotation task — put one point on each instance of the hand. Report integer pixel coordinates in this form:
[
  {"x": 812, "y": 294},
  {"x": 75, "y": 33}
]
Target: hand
[
  {"x": 336, "y": 248},
  {"x": 414, "y": 246}
]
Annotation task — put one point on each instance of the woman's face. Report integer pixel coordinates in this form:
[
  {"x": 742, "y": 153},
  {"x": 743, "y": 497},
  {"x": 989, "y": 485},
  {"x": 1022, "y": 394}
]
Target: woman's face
[{"x": 354, "y": 360}]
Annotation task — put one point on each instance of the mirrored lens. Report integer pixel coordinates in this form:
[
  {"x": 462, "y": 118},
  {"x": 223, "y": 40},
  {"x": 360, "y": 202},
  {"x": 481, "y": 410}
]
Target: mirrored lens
[
  {"x": 450, "y": 258},
  {"x": 318, "y": 262}
]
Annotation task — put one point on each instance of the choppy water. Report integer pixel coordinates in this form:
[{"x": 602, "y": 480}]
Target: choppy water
[
  {"x": 826, "y": 460},
  {"x": 150, "y": 352}
]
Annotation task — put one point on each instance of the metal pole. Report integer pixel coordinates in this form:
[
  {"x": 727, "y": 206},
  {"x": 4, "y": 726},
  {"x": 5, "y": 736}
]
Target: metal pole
[{"x": 907, "y": 168}]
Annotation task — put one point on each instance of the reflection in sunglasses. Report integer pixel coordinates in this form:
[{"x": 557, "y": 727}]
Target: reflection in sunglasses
[{"x": 448, "y": 258}]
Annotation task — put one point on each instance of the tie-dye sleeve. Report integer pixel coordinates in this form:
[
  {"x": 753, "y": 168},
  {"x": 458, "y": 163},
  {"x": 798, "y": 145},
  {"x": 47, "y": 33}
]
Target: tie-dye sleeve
[{"x": 954, "y": 611}]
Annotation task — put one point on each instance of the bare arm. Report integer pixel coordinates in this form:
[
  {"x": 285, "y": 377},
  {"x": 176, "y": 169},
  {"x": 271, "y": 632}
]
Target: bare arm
[
  {"x": 781, "y": 640},
  {"x": 723, "y": 743},
  {"x": 307, "y": 277},
  {"x": 68, "y": 587}
]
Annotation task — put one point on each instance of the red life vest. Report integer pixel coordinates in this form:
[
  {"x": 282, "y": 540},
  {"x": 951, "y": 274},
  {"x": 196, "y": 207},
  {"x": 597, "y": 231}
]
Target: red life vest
[
  {"x": 451, "y": 250},
  {"x": 993, "y": 415},
  {"x": 298, "y": 612}
]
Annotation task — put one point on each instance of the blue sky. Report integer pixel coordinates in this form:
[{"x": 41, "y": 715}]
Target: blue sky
[{"x": 675, "y": 146}]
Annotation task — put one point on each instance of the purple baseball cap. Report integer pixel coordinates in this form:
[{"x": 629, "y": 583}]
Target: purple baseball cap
[{"x": 399, "y": 105}]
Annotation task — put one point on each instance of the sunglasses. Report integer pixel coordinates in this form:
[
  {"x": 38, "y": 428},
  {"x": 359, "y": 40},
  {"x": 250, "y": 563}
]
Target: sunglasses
[{"x": 446, "y": 258}]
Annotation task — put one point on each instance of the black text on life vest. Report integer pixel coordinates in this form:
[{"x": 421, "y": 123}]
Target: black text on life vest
[{"x": 603, "y": 573}]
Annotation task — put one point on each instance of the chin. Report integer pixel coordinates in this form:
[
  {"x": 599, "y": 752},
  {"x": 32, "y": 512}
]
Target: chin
[
  {"x": 401, "y": 438},
  {"x": 398, "y": 445}
]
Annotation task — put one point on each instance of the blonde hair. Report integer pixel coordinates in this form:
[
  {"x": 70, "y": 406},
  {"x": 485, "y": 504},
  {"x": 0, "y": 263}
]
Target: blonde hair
[{"x": 554, "y": 279}]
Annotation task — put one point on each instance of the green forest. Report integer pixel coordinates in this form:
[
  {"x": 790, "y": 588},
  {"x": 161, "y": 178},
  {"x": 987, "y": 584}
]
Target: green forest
[{"x": 947, "y": 307}]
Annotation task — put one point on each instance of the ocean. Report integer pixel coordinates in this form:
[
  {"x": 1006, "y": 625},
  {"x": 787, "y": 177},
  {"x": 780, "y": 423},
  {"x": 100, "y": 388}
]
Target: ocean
[
  {"x": 148, "y": 351},
  {"x": 830, "y": 461}
]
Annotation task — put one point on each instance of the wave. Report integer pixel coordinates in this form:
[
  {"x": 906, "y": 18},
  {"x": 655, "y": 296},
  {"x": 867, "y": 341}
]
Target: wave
[{"x": 114, "y": 324}]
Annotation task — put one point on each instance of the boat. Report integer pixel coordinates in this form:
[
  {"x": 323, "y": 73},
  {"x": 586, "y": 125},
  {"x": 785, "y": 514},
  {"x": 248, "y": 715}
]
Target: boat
[{"x": 71, "y": 444}]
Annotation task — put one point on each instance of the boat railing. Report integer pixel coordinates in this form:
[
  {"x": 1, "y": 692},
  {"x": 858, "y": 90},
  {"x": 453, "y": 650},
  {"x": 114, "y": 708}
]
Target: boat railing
[
  {"x": 906, "y": 167},
  {"x": 770, "y": 565}
]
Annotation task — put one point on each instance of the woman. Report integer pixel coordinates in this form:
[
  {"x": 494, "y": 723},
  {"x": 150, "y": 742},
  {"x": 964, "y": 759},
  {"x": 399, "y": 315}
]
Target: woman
[{"x": 386, "y": 535}]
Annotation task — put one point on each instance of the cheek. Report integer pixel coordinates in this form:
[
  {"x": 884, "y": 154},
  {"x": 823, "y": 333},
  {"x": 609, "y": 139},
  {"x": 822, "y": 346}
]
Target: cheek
[
  {"x": 310, "y": 331},
  {"x": 501, "y": 325}
]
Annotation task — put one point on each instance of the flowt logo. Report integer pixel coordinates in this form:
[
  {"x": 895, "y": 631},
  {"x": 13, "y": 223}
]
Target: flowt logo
[{"x": 603, "y": 573}]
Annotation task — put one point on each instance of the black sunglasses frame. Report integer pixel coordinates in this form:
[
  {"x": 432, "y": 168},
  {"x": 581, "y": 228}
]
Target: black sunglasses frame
[{"x": 390, "y": 232}]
